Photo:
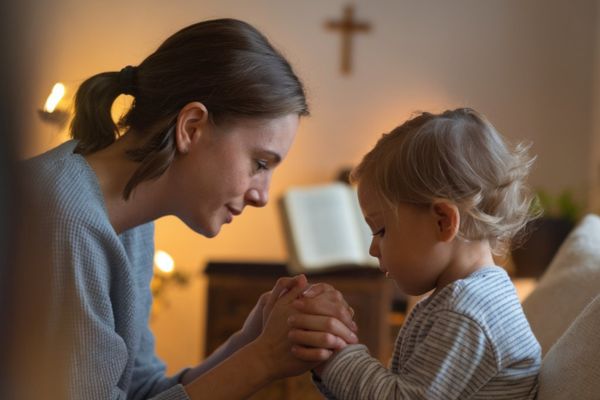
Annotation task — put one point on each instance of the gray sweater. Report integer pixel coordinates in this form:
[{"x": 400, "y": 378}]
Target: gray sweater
[
  {"x": 469, "y": 341},
  {"x": 100, "y": 297}
]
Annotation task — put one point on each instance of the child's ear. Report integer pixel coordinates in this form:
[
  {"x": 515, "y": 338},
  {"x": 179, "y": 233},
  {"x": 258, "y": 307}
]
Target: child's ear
[
  {"x": 191, "y": 121},
  {"x": 447, "y": 219}
]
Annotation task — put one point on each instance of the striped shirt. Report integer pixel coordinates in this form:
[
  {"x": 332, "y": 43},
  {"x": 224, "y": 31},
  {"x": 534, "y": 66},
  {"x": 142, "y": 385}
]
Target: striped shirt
[{"x": 469, "y": 341}]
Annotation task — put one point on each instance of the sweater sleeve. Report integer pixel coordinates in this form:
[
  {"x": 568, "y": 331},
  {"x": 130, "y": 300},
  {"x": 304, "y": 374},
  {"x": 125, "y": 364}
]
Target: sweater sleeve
[
  {"x": 453, "y": 361},
  {"x": 149, "y": 373}
]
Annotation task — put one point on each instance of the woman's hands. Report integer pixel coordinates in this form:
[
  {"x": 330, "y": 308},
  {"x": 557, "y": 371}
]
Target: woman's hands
[
  {"x": 304, "y": 326},
  {"x": 298, "y": 326},
  {"x": 314, "y": 322},
  {"x": 256, "y": 320}
]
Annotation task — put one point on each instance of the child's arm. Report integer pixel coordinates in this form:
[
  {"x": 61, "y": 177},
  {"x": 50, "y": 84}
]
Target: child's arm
[{"x": 453, "y": 360}]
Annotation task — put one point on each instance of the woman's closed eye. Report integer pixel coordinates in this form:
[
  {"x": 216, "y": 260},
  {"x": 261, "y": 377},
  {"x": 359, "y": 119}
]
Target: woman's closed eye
[{"x": 262, "y": 165}]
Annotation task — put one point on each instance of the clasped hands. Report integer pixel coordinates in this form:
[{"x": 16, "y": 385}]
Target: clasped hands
[{"x": 298, "y": 326}]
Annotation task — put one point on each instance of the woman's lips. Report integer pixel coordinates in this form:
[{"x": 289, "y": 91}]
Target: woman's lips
[{"x": 232, "y": 213}]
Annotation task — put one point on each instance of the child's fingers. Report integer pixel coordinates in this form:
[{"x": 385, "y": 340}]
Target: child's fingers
[
  {"x": 311, "y": 354},
  {"x": 322, "y": 323},
  {"x": 324, "y": 305},
  {"x": 316, "y": 339}
]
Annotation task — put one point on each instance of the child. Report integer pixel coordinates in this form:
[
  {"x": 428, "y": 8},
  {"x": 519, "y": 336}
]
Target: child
[{"x": 441, "y": 194}]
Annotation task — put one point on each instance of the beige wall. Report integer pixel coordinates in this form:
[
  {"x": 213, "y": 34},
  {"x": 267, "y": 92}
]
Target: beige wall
[
  {"x": 594, "y": 159},
  {"x": 528, "y": 65}
]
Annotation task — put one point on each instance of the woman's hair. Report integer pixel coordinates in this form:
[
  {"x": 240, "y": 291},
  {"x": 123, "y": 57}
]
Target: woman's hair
[
  {"x": 458, "y": 156},
  {"x": 225, "y": 64}
]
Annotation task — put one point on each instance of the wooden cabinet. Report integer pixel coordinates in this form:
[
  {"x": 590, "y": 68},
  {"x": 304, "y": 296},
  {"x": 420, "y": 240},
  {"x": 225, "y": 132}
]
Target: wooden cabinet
[{"x": 233, "y": 289}]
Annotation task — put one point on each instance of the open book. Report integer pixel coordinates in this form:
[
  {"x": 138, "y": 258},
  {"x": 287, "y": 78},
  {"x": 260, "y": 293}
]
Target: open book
[{"x": 325, "y": 228}]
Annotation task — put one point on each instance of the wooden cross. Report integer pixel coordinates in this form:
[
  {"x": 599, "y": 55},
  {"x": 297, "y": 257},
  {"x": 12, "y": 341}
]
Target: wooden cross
[{"x": 347, "y": 27}]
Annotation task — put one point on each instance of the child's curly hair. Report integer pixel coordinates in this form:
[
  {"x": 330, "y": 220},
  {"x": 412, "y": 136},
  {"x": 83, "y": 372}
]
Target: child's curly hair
[{"x": 458, "y": 156}]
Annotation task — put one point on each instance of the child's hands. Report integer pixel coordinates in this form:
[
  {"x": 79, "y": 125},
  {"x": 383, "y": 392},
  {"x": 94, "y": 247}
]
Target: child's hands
[{"x": 324, "y": 322}]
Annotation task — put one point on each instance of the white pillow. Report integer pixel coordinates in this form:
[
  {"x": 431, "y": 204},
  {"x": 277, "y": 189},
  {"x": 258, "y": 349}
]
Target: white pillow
[
  {"x": 571, "y": 369},
  {"x": 569, "y": 284}
]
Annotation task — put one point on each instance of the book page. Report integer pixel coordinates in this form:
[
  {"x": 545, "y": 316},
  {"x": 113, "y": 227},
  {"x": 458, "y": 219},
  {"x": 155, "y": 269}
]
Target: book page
[
  {"x": 323, "y": 227},
  {"x": 364, "y": 231}
]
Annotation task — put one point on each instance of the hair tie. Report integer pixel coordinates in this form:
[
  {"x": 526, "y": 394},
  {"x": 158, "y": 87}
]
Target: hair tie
[{"x": 127, "y": 80}]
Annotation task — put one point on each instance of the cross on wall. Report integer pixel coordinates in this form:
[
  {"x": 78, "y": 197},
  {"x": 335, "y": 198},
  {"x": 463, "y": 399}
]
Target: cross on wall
[{"x": 348, "y": 26}]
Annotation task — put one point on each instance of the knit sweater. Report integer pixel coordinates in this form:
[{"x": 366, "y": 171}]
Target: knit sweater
[
  {"x": 469, "y": 341},
  {"x": 100, "y": 298}
]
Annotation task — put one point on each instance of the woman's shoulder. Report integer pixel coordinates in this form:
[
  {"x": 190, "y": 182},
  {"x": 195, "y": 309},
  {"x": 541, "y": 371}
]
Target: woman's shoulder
[
  {"x": 61, "y": 159},
  {"x": 64, "y": 187}
]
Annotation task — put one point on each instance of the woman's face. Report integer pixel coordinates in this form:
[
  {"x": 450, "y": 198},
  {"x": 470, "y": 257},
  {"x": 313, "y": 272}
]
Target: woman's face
[{"x": 227, "y": 169}]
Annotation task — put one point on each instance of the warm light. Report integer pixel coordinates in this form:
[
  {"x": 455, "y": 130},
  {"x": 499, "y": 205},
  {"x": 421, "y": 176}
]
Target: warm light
[
  {"x": 164, "y": 262},
  {"x": 58, "y": 91}
]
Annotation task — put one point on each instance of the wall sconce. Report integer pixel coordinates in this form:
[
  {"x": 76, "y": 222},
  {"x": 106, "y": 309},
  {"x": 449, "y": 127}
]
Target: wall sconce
[
  {"x": 164, "y": 262},
  {"x": 51, "y": 113},
  {"x": 165, "y": 275}
]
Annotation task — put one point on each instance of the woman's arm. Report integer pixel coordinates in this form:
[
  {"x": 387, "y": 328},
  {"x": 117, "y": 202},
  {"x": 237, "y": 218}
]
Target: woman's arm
[
  {"x": 251, "y": 329},
  {"x": 256, "y": 364},
  {"x": 238, "y": 369}
]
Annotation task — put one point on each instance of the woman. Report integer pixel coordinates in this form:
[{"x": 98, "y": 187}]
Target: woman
[{"x": 215, "y": 110}]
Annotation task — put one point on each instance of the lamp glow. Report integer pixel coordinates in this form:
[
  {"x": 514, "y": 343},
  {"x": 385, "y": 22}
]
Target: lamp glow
[
  {"x": 164, "y": 262},
  {"x": 57, "y": 93}
]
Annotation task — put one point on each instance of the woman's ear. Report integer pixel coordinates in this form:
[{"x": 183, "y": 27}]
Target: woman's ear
[
  {"x": 447, "y": 219},
  {"x": 191, "y": 121}
]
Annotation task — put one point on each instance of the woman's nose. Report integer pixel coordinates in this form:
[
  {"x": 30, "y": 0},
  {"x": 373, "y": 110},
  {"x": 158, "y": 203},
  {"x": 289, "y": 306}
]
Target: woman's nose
[{"x": 257, "y": 197}]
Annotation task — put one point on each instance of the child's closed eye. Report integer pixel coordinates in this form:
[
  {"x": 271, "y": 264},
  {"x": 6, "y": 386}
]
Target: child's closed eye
[{"x": 380, "y": 232}]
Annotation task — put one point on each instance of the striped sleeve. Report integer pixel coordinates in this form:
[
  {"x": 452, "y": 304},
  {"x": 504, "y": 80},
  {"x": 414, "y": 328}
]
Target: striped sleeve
[{"x": 453, "y": 361}]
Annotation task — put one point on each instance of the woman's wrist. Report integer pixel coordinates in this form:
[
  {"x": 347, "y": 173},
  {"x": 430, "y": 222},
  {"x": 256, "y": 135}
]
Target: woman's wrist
[
  {"x": 236, "y": 342},
  {"x": 232, "y": 345},
  {"x": 249, "y": 366}
]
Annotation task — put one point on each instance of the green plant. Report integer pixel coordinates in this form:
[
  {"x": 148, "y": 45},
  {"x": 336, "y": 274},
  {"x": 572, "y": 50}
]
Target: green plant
[{"x": 563, "y": 205}]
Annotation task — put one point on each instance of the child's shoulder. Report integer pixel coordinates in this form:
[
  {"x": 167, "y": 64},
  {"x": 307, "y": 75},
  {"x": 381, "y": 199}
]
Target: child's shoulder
[
  {"x": 489, "y": 299},
  {"x": 486, "y": 296}
]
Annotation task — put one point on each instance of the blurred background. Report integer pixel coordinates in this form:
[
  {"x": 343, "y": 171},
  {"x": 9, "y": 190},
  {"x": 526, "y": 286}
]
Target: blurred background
[{"x": 530, "y": 66}]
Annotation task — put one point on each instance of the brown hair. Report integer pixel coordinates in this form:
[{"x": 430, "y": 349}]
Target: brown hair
[
  {"x": 458, "y": 156},
  {"x": 226, "y": 64}
]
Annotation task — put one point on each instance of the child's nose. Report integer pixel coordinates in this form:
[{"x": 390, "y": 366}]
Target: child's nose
[{"x": 374, "y": 249}]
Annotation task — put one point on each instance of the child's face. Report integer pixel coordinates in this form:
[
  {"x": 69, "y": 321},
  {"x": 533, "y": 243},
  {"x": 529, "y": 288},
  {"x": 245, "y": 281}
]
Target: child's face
[{"x": 405, "y": 243}]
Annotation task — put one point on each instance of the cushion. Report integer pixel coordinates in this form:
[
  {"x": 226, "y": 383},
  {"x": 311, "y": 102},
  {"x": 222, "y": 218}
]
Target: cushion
[
  {"x": 571, "y": 369},
  {"x": 570, "y": 283}
]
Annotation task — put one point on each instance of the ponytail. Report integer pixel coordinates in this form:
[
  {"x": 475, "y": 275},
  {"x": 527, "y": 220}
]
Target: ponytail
[
  {"x": 226, "y": 64},
  {"x": 92, "y": 123}
]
